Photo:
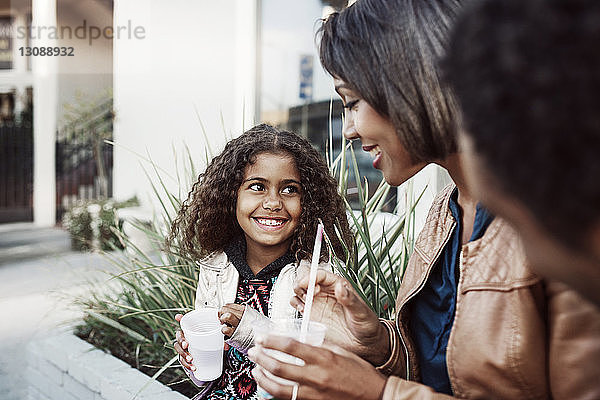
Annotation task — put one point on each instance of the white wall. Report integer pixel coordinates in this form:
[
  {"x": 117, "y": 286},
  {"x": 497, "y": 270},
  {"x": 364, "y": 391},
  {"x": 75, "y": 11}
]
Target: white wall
[
  {"x": 196, "y": 56},
  {"x": 429, "y": 181},
  {"x": 90, "y": 70}
]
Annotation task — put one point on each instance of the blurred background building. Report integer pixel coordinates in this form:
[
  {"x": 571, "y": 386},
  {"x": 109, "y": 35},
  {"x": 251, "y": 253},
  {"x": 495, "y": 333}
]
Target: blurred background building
[{"x": 153, "y": 76}]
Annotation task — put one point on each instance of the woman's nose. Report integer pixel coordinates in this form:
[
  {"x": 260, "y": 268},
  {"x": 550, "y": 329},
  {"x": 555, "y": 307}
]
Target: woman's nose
[{"x": 349, "y": 130}]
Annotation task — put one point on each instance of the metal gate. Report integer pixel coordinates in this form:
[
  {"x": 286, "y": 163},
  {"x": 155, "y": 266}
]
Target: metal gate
[
  {"x": 83, "y": 160},
  {"x": 16, "y": 173}
]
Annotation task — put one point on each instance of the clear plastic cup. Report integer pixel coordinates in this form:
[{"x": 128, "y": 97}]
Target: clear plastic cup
[
  {"x": 288, "y": 328},
  {"x": 202, "y": 330}
]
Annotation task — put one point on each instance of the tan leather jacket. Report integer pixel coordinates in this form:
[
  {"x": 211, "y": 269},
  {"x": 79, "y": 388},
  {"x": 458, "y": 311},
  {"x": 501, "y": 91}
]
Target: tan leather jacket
[{"x": 514, "y": 336}]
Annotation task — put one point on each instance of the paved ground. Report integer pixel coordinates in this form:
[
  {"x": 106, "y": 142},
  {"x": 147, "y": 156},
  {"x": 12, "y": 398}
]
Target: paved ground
[
  {"x": 23, "y": 241},
  {"x": 39, "y": 277}
]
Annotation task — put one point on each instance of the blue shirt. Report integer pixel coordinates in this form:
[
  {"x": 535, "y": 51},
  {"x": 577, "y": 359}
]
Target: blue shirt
[{"x": 432, "y": 312}]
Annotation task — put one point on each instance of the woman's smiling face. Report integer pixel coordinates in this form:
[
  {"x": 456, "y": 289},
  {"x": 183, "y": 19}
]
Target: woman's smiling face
[
  {"x": 377, "y": 135},
  {"x": 268, "y": 202}
]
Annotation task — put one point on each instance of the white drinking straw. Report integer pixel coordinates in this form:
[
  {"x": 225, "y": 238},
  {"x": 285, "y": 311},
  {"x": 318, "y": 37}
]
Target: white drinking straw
[{"x": 310, "y": 292}]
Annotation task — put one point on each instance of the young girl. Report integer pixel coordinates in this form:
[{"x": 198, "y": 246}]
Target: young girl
[{"x": 254, "y": 213}]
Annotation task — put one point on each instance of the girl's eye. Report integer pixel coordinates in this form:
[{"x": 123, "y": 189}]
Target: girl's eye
[
  {"x": 256, "y": 187},
  {"x": 290, "y": 190},
  {"x": 349, "y": 105}
]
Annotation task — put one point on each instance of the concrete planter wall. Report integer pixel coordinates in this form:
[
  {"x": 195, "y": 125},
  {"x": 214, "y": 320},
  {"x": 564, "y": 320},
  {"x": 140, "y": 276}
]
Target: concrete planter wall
[{"x": 64, "y": 367}]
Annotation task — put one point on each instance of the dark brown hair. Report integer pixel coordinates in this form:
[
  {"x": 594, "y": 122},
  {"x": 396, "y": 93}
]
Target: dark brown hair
[
  {"x": 207, "y": 222},
  {"x": 388, "y": 53},
  {"x": 527, "y": 74}
]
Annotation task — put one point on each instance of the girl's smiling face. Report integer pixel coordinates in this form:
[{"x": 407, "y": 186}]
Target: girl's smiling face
[
  {"x": 268, "y": 202},
  {"x": 377, "y": 135}
]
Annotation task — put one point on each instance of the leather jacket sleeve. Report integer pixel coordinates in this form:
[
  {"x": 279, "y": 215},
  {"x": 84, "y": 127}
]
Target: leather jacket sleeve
[
  {"x": 574, "y": 344},
  {"x": 399, "y": 389},
  {"x": 396, "y": 363},
  {"x": 573, "y": 334}
]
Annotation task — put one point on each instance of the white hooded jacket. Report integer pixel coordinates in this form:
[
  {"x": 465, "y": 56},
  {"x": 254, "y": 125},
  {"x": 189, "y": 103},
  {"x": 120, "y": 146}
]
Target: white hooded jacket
[{"x": 207, "y": 295}]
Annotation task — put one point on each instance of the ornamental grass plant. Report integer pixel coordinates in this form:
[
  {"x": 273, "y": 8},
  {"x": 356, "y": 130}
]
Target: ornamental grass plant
[
  {"x": 383, "y": 241},
  {"x": 90, "y": 223},
  {"x": 132, "y": 317}
]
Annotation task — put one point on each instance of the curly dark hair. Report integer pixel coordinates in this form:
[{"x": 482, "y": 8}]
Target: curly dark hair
[
  {"x": 388, "y": 53},
  {"x": 527, "y": 74},
  {"x": 207, "y": 222}
]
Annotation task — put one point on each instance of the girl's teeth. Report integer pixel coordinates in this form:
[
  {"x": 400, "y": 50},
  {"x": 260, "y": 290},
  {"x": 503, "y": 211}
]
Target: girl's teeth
[
  {"x": 270, "y": 222},
  {"x": 374, "y": 151}
]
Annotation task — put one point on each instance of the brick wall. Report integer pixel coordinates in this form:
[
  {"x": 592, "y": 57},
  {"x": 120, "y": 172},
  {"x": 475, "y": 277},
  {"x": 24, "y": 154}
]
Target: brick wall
[{"x": 64, "y": 367}]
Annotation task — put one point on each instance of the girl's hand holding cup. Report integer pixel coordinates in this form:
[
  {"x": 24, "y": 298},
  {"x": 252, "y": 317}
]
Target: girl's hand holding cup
[
  {"x": 181, "y": 346},
  {"x": 230, "y": 315}
]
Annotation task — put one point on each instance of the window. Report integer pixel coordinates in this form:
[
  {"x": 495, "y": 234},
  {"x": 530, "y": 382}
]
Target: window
[
  {"x": 6, "y": 43},
  {"x": 295, "y": 92}
]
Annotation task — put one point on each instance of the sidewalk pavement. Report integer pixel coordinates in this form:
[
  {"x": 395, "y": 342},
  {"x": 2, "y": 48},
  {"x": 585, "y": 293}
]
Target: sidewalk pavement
[
  {"x": 24, "y": 241},
  {"x": 39, "y": 277}
]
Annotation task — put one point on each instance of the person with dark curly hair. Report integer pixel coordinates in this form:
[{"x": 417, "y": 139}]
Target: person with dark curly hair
[
  {"x": 253, "y": 215},
  {"x": 527, "y": 74},
  {"x": 472, "y": 319}
]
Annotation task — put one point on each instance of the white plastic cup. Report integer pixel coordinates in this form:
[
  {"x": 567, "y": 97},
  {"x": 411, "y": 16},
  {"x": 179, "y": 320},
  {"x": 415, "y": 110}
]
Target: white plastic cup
[
  {"x": 202, "y": 330},
  {"x": 287, "y": 328}
]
